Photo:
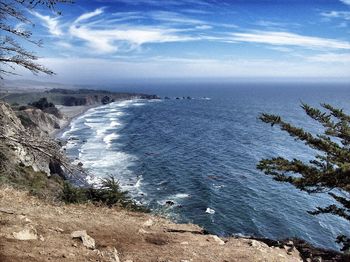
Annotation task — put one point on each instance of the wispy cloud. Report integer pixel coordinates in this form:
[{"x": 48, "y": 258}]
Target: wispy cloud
[
  {"x": 337, "y": 14},
  {"x": 51, "y": 23},
  {"x": 127, "y": 37},
  {"x": 331, "y": 58},
  {"x": 174, "y": 17},
  {"x": 89, "y": 15},
  {"x": 347, "y": 2},
  {"x": 275, "y": 24},
  {"x": 290, "y": 39}
]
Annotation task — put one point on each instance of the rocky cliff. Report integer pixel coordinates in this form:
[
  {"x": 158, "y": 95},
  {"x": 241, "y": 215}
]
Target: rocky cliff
[{"x": 24, "y": 141}]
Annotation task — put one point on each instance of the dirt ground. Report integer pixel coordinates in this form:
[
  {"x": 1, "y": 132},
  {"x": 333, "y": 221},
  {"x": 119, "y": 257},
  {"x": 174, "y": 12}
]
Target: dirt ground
[{"x": 119, "y": 236}]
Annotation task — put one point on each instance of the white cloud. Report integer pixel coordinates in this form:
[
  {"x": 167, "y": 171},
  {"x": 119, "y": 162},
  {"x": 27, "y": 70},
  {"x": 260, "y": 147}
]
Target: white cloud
[
  {"x": 51, "y": 23},
  {"x": 347, "y": 2},
  {"x": 337, "y": 14},
  {"x": 173, "y": 17},
  {"x": 110, "y": 40},
  {"x": 331, "y": 58},
  {"x": 89, "y": 15},
  {"x": 290, "y": 39}
]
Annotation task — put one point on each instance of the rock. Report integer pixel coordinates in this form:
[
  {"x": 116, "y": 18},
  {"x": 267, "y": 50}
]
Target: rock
[
  {"x": 26, "y": 234},
  {"x": 259, "y": 245},
  {"x": 148, "y": 223},
  {"x": 210, "y": 211},
  {"x": 115, "y": 256},
  {"x": 88, "y": 241},
  {"x": 184, "y": 243},
  {"x": 169, "y": 203},
  {"x": 218, "y": 240},
  {"x": 142, "y": 231}
]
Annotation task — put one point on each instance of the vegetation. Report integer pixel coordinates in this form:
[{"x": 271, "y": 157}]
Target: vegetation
[
  {"x": 12, "y": 53},
  {"x": 36, "y": 183},
  {"x": 329, "y": 172},
  {"x": 109, "y": 194},
  {"x": 45, "y": 106},
  {"x": 25, "y": 120},
  {"x": 42, "y": 103}
]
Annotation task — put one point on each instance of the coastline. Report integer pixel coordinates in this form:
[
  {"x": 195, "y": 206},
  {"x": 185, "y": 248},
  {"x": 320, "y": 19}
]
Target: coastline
[
  {"x": 140, "y": 236},
  {"x": 69, "y": 114}
]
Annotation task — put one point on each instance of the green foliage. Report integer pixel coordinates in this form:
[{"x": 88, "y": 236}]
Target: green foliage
[
  {"x": 36, "y": 183},
  {"x": 329, "y": 171},
  {"x": 46, "y": 106},
  {"x": 42, "y": 103},
  {"x": 109, "y": 194},
  {"x": 26, "y": 121}
]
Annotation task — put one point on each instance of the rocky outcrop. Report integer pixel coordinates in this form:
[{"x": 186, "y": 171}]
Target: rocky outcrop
[
  {"x": 88, "y": 241},
  {"x": 37, "y": 121},
  {"x": 29, "y": 144}
]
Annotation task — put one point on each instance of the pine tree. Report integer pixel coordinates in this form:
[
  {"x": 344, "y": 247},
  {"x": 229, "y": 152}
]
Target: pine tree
[{"x": 329, "y": 171}]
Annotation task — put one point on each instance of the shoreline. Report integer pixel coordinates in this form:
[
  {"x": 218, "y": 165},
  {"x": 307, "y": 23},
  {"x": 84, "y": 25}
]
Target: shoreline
[
  {"x": 70, "y": 113},
  {"x": 151, "y": 230}
]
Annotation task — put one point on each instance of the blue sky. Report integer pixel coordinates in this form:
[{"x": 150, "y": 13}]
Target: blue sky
[{"x": 113, "y": 40}]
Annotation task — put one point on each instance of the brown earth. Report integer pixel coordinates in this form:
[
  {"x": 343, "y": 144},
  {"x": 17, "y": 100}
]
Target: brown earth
[{"x": 120, "y": 235}]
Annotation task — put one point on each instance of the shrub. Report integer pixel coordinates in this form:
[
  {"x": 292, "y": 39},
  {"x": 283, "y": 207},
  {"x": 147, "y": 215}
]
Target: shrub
[
  {"x": 26, "y": 121},
  {"x": 42, "y": 103},
  {"x": 109, "y": 194}
]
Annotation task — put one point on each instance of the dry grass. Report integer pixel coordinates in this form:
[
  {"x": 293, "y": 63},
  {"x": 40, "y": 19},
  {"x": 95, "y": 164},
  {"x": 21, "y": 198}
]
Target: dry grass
[{"x": 136, "y": 236}]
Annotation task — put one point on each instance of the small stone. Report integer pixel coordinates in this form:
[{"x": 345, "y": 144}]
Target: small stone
[
  {"x": 218, "y": 240},
  {"x": 184, "y": 243},
  {"x": 41, "y": 238},
  {"x": 148, "y": 223},
  {"x": 26, "y": 234},
  {"x": 57, "y": 229},
  {"x": 142, "y": 231},
  {"x": 27, "y": 220},
  {"x": 88, "y": 241},
  {"x": 115, "y": 255}
]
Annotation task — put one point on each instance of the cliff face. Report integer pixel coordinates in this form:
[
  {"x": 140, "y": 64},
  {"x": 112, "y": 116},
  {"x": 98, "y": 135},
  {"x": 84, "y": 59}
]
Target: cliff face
[{"x": 24, "y": 141}]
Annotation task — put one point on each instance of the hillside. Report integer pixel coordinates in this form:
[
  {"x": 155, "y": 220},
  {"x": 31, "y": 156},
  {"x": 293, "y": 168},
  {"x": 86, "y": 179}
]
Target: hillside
[
  {"x": 119, "y": 235},
  {"x": 69, "y": 97}
]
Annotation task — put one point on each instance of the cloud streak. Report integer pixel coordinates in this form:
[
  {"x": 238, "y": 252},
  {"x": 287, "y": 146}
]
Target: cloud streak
[
  {"x": 290, "y": 39},
  {"x": 347, "y": 2},
  {"x": 337, "y": 14},
  {"x": 111, "y": 40},
  {"x": 52, "y": 24}
]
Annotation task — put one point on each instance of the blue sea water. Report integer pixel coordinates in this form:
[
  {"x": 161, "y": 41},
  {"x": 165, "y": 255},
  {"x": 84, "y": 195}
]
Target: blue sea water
[{"x": 202, "y": 153}]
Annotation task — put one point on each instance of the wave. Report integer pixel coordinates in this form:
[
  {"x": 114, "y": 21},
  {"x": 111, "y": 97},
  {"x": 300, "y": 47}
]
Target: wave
[{"x": 108, "y": 139}]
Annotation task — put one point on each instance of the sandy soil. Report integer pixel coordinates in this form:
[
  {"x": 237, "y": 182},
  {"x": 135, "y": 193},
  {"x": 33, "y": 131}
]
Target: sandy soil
[{"x": 119, "y": 236}]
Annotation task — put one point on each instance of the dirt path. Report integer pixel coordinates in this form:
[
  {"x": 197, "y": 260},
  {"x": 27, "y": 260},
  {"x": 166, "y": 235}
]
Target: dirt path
[{"x": 119, "y": 236}]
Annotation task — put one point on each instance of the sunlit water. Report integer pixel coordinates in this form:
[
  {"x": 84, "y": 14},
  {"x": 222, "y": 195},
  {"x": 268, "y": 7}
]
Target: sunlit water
[{"x": 202, "y": 153}]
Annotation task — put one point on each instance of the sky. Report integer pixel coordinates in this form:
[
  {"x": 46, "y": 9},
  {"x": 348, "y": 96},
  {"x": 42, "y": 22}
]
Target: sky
[{"x": 106, "y": 41}]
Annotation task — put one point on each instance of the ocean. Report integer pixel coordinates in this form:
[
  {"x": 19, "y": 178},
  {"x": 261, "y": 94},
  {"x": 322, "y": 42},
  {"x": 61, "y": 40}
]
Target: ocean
[{"x": 194, "y": 160}]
